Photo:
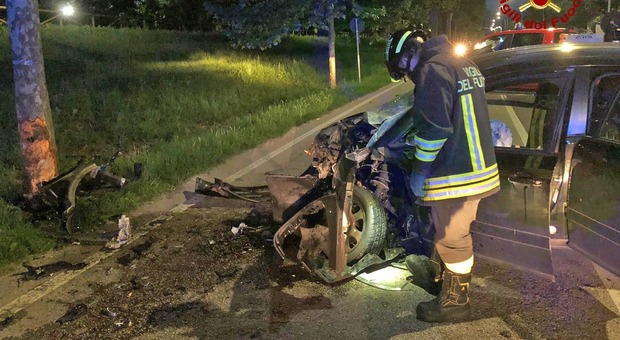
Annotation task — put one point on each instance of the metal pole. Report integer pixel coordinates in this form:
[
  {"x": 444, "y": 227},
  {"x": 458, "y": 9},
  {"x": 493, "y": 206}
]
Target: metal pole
[
  {"x": 608, "y": 6},
  {"x": 357, "y": 39}
]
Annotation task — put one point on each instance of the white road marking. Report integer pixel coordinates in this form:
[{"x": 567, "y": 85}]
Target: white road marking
[
  {"x": 611, "y": 283},
  {"x": 244, "y": 171}
]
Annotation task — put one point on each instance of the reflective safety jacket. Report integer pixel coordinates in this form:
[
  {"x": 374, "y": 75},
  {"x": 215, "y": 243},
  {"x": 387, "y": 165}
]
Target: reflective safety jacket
[{"x": 454, "y": 147}]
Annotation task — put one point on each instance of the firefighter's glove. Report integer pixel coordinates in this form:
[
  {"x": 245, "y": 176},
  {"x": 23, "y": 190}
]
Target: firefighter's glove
[{"x": 417, "y": 184}]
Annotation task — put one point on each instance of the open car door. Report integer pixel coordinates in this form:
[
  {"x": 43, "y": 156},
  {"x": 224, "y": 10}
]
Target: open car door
[
  {"x": 512, "y": 226},
  {"x": 593, "y": 209}
]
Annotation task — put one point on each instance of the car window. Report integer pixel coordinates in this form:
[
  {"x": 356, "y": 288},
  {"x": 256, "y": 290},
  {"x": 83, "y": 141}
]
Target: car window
[
  {"x": 611, "y": 126},
  {"x": 527, "y": 39},
  {"x": 524, "y": 115},
  {"x": 498, "y": 42},
  {"x": 605, "y": 106}
]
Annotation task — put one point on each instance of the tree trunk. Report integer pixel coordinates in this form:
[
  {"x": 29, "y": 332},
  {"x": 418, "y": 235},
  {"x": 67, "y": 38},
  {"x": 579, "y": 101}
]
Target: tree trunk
[
  {"x": 434, "y": 22},
  {"x": 448, "y": 18},
  {"x": 332, "y": 52},
  {"x": 34, "y": 116}
]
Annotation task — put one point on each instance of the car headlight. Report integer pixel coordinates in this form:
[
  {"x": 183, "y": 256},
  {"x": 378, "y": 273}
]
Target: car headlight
[{"x": 460, "y": 49}]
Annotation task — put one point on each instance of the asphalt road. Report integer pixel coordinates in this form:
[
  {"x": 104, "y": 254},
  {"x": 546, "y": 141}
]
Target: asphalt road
[{"x": 583, "y": 302}]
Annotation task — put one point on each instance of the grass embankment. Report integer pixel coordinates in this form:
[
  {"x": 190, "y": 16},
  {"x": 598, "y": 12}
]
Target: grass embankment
[{"x": 178, "y": 103}]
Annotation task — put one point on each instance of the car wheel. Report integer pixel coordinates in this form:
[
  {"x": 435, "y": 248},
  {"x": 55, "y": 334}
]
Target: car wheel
[{"x": 366, "y": 235}]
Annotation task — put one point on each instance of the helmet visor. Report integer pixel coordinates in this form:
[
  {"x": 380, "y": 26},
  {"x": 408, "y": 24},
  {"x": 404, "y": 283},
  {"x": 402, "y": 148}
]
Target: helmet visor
[{"x": 396, "y": 73}]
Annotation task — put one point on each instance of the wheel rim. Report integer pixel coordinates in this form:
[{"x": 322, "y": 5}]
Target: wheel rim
[{"x": 356, "y": 230}]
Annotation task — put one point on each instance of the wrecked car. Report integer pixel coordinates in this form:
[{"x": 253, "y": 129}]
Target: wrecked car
[{"x": 558, "y": 154}]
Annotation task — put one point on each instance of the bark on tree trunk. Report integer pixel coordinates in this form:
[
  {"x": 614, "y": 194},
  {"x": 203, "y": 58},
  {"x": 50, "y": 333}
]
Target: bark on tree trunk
[
  {"x": 448, "y": 17},
  {"x": 332, "y": 52},
  {"x": 34, "y": 116},
  {"x": 434, "y": 22}
]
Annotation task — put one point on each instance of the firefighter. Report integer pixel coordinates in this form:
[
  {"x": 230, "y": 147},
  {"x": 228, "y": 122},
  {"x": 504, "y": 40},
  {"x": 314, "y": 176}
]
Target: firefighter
[
  {"x": 454, "y": 165},
  {"x": 610, "y": 24}
]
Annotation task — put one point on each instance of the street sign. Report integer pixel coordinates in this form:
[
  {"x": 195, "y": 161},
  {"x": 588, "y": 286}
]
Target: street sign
[{"x": 357, "y": 25}]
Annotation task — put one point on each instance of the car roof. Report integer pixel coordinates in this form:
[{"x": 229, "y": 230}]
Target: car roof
[
  {"x": 548, "y": 55},
  {"x": 530, "y": 30}
]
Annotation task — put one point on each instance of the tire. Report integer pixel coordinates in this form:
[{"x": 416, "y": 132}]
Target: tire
[{"x": 368, "y": 231}]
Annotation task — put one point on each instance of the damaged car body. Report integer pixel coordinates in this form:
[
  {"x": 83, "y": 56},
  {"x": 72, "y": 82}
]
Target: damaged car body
[
  {"x": 352, "y": 208},
  {"x": 555, "y": 114}
]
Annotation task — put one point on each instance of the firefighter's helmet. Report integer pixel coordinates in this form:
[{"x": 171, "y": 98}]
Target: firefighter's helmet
[{"x": 399, "y": 44}]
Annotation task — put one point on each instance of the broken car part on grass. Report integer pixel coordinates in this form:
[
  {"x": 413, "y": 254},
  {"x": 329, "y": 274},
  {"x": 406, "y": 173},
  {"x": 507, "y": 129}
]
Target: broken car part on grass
[{"x": 59, "y": 195}]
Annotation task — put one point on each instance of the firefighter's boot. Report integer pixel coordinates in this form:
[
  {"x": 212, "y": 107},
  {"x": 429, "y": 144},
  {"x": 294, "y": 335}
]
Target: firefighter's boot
[
  {"x": 452, "y": 303},
  {"x": 426, "y": 272}
]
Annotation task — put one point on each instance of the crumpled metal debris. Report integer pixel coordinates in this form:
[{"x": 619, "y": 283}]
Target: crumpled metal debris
[
  {"x": 60, "y": 193},
  {"x": 73, "y": 313},
  {"x": 227, "y": 190}
]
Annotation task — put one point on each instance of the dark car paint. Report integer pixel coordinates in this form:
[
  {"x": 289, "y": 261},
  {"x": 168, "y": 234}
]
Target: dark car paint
[
  {"x": 595, "y": 178},
  {"x": 513, "y": 225}
]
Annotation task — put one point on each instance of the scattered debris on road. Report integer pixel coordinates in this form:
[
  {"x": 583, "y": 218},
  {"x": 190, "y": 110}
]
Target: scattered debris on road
[
  {"x": 124, "y": 233},
  {"x": 237, "y": 231},
  {"x": 136, "y": 252},
  {"x": 35, "y": 273},
  {"x": 74, "y": 313},
  {"x": 107, "y": 312},
  {"x": 7, "y": 319},
  {"x": 227, "y": 272},
  {"x": 137, "y": 284},
  {"x": 226, "y": 190}
]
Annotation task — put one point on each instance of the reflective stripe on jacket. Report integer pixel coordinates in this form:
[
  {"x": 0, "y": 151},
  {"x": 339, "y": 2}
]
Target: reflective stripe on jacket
[{"x": 454, "y": 147}]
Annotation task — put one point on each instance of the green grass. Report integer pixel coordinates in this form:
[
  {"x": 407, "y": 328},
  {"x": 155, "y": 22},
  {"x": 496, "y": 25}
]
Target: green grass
[{"x": 178, "y": 103}]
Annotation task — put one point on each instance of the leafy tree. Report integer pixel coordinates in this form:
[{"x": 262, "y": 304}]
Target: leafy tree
[
  {"x": 386, "y": 16},
  {"x": 462, "y": 18},
  {"x": 447, "y": 8},
  {"x": 263, "y": 23},
  {"x": 468, "y": 21}
]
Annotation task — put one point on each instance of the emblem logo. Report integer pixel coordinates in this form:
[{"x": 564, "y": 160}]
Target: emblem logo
[
  {"x": 516, "y": 16},
  {"x": 540, "y": 4}
]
